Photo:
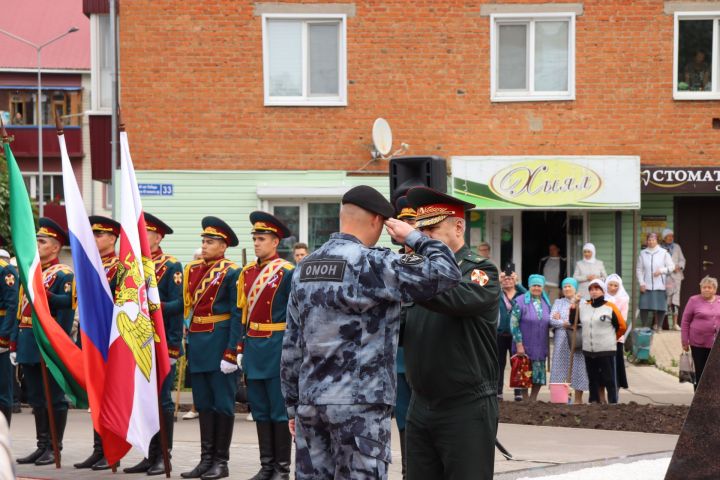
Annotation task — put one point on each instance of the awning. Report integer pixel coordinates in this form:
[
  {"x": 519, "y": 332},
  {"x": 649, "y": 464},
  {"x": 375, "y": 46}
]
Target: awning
[{"x": 548, "y": 182}]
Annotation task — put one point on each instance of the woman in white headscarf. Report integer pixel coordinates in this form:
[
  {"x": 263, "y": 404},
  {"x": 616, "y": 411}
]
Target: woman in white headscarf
[
  {"x": 617, "y": 294},
  {"x": 588, "y": 269}
]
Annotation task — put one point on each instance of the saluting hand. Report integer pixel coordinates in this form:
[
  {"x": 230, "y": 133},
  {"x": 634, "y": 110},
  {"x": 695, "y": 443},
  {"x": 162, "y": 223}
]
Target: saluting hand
[
  {"x": 398, "y": 229},
  {"x": 291, "y": 426}
]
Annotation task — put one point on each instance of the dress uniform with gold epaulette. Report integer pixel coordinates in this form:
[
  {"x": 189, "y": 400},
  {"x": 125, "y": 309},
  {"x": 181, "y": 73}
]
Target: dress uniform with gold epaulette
[
  {"x": 209, "y": 294},
  {"x": 9, "y": 285},
  {"x": 263, "y": 292},
  {"x": 59, "y": 281}
]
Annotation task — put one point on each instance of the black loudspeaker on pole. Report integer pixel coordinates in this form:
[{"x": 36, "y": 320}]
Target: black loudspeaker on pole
[{"x": 409, "y": 172}]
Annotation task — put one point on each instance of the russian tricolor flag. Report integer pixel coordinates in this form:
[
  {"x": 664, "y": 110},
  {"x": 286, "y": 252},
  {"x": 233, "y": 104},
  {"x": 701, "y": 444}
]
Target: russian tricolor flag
[{"x": 95, "y": 304}]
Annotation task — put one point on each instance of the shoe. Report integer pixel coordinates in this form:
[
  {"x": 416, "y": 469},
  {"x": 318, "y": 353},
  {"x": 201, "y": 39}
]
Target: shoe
[
  {"x": 42, "y": 434},
  {"x": 141, "y": 467},
  {"x": 207, "y": 446},
  {"x": 267, "y": 451},
  {"x": 676, "y": 327},
  {"x": 190, "y": 415},
  {"x": 282, "y": 447},
  {"x": 48, "y": 457},
  {"x": 95, "y": 456},
  {"x": 16, "y": 408},
  {"x": 500, "y": 397},
  {"x": 158, "y": 466},
  {"x": 102, "y": 464},
  {"x": 249, "y": 417},
  {"x": 518, "y": 398},
  {"x": 223, "y": 436}
]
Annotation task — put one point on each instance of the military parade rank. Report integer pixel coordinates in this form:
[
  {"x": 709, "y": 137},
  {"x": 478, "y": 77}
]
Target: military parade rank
[
  {"x": 59, "y": 282},
  {"x": 263, "y": 291},
  {"x": 9, "y": 286}
]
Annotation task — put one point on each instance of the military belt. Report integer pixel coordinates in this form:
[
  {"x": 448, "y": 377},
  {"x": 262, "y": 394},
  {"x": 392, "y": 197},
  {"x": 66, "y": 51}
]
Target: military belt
[
  {"x": 3, "y": 312},
  {"x": 267, "y": 327},
  {"x": 25, "y": 322},
  {"x": 211, "y": 318}
]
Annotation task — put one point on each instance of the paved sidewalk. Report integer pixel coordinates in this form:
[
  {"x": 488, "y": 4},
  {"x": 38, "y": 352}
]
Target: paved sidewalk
[{"x": 666, "y": 348}]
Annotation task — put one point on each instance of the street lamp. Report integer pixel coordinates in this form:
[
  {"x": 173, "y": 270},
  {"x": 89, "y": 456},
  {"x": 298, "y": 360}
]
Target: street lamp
[{"x": 38, "y": 119}]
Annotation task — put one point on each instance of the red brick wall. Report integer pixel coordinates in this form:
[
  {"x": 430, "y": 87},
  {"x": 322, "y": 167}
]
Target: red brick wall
[{"x": 192, "y": 89}]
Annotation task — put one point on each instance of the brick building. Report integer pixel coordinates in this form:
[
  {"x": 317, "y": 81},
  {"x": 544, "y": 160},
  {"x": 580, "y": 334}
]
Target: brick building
[{"x": 235, "y": 105}]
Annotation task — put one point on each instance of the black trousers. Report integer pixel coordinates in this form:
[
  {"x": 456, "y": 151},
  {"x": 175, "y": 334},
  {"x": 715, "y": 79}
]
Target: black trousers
[
  {"x": 699, "y": 356},
  {"x": 601, "y": 373},
  {"x": 504, "y": 344},
  {"x": 452, "y": 442}
]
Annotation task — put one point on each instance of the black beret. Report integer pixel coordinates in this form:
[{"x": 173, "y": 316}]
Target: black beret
[
  {"x": 369, "y": 199},
  {"x": 154, "y": 224}
]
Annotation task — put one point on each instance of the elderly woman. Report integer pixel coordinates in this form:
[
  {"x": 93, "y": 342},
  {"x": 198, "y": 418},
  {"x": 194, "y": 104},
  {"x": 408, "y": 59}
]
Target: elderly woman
[
  {"x": 562, "y": 325},
  {"x": 653, "y": 264},
  {"x": 673, "y": 282},
  {"x": 602, "y": 325},
  {"x": 617, "y": 294},
  {"x": 511, "y": 290},
  {"x": 588, "y": 269},
  {"x": 700, "y": 324},
  {"x": 530, "y": 322}
]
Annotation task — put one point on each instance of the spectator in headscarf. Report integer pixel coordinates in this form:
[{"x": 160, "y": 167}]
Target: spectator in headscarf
[
  {"x": 588, "y": 269},
  {"x": 530, "y": 322},
  {"x": 653, "y": 265},
  {"x": 602, "y": 324},
  {"x": 674, "y": 280},
  {"x": 562, "y": 325},
  {"x": 511, "y": 290},
  {"x": 616, "y": 294}
]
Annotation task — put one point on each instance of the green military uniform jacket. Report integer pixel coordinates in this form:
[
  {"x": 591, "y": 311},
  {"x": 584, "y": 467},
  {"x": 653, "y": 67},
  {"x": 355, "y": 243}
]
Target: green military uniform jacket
[
  {"x": 59, "y": 283},
  {"x": 9, "y": 285},
  {"x": 449, "y": 341},
  {"x": 169, "y": 275}
]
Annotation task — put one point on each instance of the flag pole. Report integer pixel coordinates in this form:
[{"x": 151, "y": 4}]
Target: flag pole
[{"x": 51, "y": 412}]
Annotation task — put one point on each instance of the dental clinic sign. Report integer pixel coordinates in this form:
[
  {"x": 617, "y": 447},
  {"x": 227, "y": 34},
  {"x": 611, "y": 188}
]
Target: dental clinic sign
[
  {"x": 553, "y": 182},
  {"x": 680, "y": 179}
]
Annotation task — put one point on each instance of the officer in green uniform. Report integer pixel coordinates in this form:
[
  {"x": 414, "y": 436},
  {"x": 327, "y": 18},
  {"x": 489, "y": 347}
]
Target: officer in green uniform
[
  {"x": 106, "y": 232},
  {"x": 263, "y": 292},
  {"x": 59, "y": 282},
  {"x": 9, "y": 283},
  {"x": 451, "y": 357},
  {"x": 210, "y": 296},
  {"x": 169, "y": 275}
]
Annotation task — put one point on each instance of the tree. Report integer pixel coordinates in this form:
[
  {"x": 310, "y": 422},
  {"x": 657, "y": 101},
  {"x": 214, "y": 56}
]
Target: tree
[{"x": 6, "y": 238}]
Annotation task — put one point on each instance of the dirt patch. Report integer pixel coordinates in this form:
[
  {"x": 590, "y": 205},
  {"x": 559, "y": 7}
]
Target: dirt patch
[{"x": 629, "y": 417}]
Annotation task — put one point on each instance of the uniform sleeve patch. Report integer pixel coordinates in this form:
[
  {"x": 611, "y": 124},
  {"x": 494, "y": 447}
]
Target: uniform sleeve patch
[
  {"x": 480, "y": 277},
  {"x": 412, "y": 259},
  {"x": 178, "y": 278},
  {"x": 67, "y": 287},
  {"x": 322, "y": 270},
  {"x": 10, "y": 279}
]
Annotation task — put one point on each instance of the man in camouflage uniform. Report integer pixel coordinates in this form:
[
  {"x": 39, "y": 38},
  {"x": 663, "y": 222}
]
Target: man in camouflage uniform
[
  {"x": 59, "y": 282},
  {"x": 451, "y": 356},
  {"x": 169, "y": 275},
  {"x": 338, "y": 360},
  {"x": 106, "y": 232},
  {"x": 9, "y": 284}
]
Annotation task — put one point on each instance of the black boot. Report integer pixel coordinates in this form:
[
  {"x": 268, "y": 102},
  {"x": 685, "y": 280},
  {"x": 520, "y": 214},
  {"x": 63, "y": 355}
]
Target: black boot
[
  {"x": 158, "y": 466},
  {"x": 7, "y": 411},
  {"x": 403, "y": 453},
  {"x": 267, "y": 452},
  {"x": 282, "y": 447},
  {"x": 207, "y": 445},
  {"x": 95, "y": 456},
  {"x": 140, "y": 467},
  {"x": 42, "y": 433},
  {"x": 48, "y": 457},
  {"x": 223, "y": 436},
  {"x": 103, "y": 464}
]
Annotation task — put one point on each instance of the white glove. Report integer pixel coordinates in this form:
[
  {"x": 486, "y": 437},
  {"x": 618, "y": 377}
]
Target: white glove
[
  {"x": 3, "y": 350},
  {"x": 173, "y": 361},
  {"x": 239, "y": 360},
  {"x": 13, "y": 358},
  {"x": 227, "y": 367}
]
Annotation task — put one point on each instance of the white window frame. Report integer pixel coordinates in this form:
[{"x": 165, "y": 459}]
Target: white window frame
[
  {"x": 530, "y": 95},
  {"x": 305, "y": 100},
  {"x": 714, "y": 67},
  {"x": 95, "y": 52},
  {"x": 304, "y": 204},
  {"x": 34, "y": 190}
]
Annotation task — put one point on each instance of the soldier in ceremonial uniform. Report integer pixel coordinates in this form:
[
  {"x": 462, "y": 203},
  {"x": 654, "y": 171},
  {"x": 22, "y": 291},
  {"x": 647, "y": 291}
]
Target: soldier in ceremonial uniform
[
  {"x": 407, "y": 214},
  {"x": 210, "y": 296},
  {"x": 451, "y": 356},
  {"x": 169, "y": 274},
  {"x": 9, "y": 286},
  {"x": 338, "y": 360},
  {"x": 59, "y": 282},
  {"x": 263, "y": 290},
  {"x": 106, "y": 232}
]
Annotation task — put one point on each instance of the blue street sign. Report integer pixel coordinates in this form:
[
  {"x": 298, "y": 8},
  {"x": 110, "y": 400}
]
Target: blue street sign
[{"x": 155, "y": 189}]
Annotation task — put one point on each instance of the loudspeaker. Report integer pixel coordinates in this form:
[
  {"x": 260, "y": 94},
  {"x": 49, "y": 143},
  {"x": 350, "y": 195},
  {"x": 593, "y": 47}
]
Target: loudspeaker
[{"x": 408, "y": 172}]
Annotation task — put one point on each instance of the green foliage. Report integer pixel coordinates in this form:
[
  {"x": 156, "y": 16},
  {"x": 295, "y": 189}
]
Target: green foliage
[{"x": 5, "y": 205}]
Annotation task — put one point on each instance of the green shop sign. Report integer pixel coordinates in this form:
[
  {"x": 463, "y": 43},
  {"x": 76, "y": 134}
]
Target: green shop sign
[{"x": 554, "y": 182}]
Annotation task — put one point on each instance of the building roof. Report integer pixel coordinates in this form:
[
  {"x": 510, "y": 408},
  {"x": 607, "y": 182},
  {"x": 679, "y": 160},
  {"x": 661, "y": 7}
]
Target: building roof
[{"x": 39, "y": 21}]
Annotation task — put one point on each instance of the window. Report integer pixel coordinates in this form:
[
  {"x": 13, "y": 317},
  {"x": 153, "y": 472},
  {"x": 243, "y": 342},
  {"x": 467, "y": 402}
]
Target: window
[
  {"x": 20, "y": 105},
  {"x": 310, "y": 222},
  {"x": 52, "y": 187},
  {"x": 102, "y": 59},
  {"x": 532, "y": 57},
  {"x": 304, "y": 60},
  {"x": 695, "y": 56}
]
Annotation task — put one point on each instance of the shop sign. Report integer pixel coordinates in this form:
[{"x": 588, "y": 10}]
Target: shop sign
[
  {"x": 564, "y": 182},
  {"x": 680, "y": 179}
]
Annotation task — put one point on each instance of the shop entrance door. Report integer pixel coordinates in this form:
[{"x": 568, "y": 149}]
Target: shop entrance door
[
  {"x": 539, "y": 230},
  {"x": 505, "y": 238},
  {"x": 699, "y": 237}
]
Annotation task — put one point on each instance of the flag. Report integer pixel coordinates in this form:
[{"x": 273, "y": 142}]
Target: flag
[
  {"x": 95, "y": 302},
  {"x": 62, "y": 357},
  {"x": 138, "y": 360}
]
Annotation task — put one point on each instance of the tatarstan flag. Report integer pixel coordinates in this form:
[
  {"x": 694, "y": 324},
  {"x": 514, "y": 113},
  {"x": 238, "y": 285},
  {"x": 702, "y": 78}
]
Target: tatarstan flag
[{"x": 62, "y": 357}]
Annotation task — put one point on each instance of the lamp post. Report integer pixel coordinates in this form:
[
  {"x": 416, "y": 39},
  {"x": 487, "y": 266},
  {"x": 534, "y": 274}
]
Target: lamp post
[{"x": 38, "y": 118}]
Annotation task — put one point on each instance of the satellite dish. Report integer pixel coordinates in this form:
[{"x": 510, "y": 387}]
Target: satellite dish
[{"x": 382, "y": 136}]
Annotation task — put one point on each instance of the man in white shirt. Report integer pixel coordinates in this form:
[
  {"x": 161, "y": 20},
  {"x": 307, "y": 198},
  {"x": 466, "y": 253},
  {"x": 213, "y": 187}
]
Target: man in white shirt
[{"x": 554, "y": 269}]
